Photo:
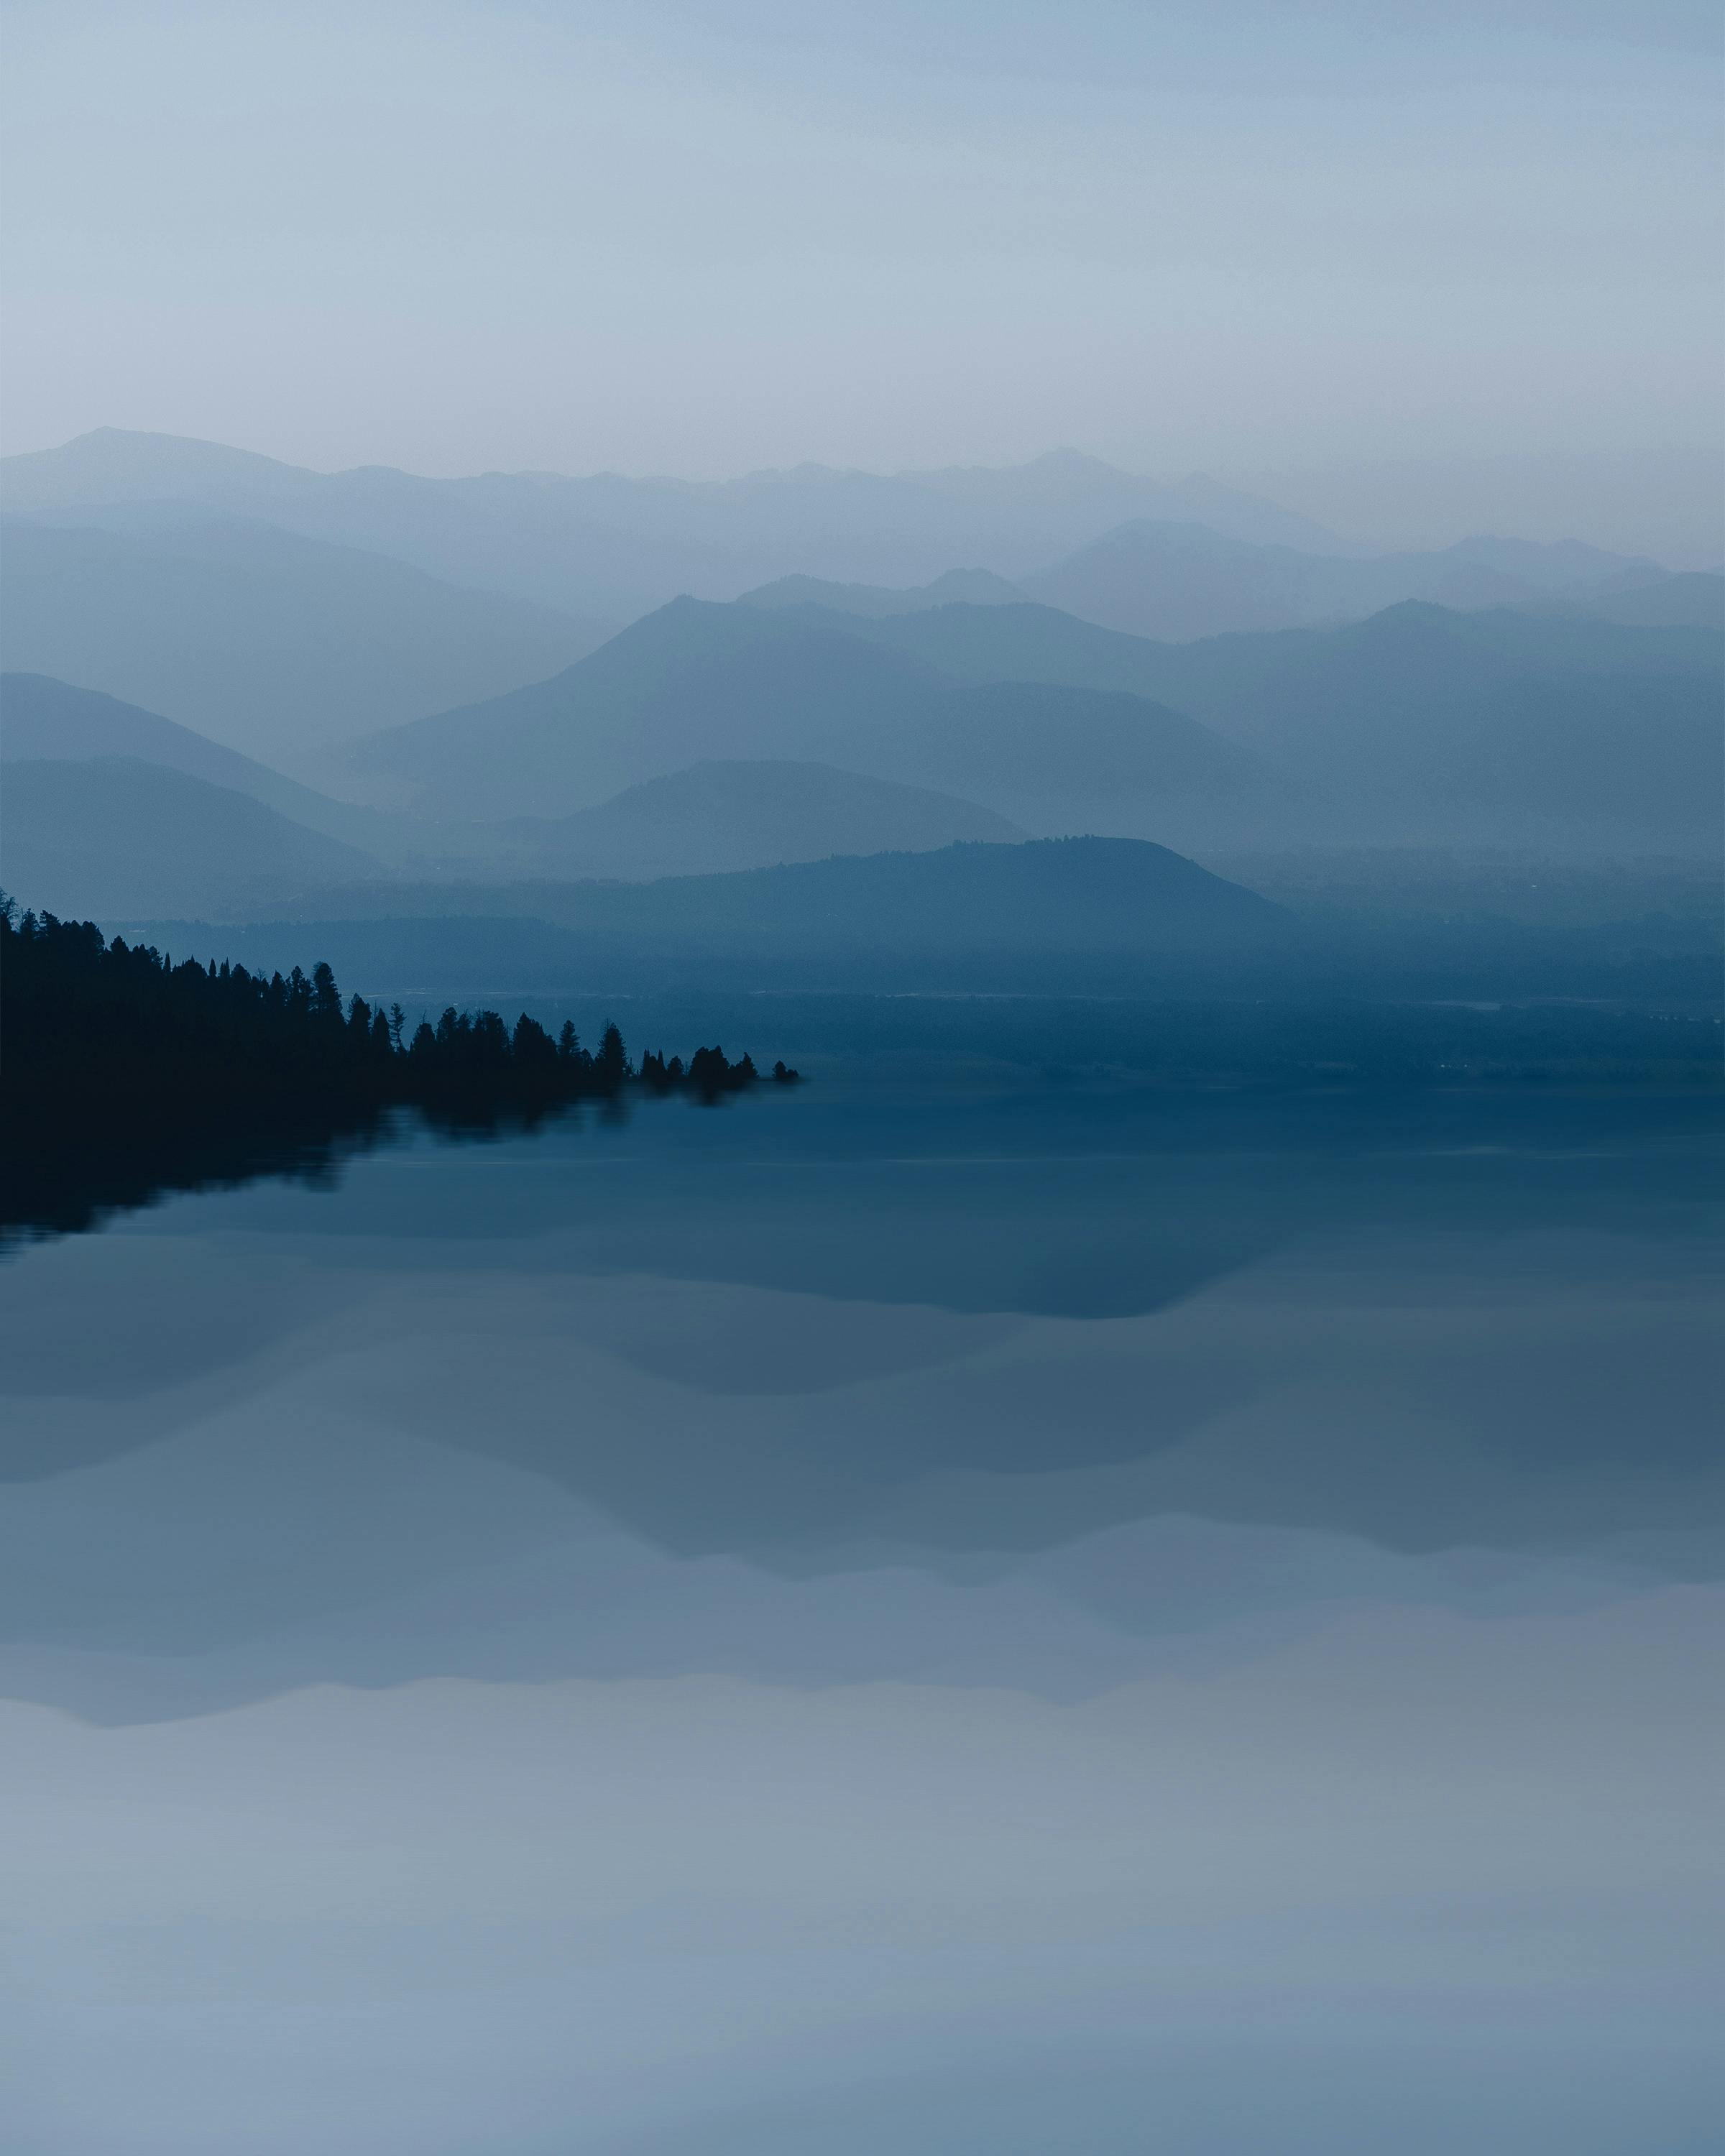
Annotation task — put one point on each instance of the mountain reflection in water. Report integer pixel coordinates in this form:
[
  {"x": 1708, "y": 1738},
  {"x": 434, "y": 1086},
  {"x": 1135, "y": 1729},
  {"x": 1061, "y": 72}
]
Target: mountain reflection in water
[{"x": 1068, "y": 1617}]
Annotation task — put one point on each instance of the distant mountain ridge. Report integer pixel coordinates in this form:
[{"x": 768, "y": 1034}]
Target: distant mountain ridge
[
  {"x": 614, "y": 547},
  {"x": 1179, "y": 581},
  {"x": 1694, "y": 599},
  {"x": 957, "y": 587},
  {"x": 1184, "y": 581},
  {"x": 1175, "y": 559}
]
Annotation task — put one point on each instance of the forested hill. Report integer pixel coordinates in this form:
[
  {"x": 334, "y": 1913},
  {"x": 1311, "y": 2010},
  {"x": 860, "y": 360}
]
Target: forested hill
[
  {"x": 1084, "y": 895},
  {"x": 89, "y": 1024}
]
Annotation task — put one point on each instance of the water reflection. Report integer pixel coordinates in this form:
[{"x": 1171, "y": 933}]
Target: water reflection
[
  {"x": 68, "y": 1180},
  {"x": 914, "y": 1621}
]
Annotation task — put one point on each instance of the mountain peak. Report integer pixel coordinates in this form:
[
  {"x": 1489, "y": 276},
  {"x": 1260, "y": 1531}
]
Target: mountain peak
[{"x": 119, "y": 463}]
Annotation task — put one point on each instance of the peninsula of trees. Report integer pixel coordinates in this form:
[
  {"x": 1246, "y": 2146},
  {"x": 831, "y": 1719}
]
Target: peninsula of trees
[{"x": 81, "y": 1017}]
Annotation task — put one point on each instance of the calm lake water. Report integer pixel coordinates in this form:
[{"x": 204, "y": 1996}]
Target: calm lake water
[{"x": 959, "y": 1622}]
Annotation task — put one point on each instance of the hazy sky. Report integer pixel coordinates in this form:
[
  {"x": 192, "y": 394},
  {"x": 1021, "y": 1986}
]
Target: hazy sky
[{"x": 1418, "y": 269}]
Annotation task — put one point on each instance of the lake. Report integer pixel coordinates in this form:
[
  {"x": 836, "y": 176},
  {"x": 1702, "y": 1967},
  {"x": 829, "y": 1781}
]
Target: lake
[{"x": 975, "y": 1617}]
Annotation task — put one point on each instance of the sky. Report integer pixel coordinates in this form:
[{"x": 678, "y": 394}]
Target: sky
[{"x": 1417, "y": 270}]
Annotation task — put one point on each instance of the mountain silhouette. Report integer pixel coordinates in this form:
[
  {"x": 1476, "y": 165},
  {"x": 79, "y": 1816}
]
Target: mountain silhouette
[
  {"x": 695, "y": 682},
  {"x": 1055, "y": 482},
  {"x": 719, "y": 816},
  {"x": 708, "y": 818},
  {"x": 118, "y": 838},
  {"x": 1499, "y": 726},
  {"x": 1693, "y": 600},
  {"x": 1049, "y": 914},
  {"x": 613, "y": 547},
  {"x": 1556, "y": 565},
  {"x": 1181, "y": 580},
  {"x": 270, "y": 643},
  {"x": 1025, "y": 642},
  {"x": 44, "y": 719},
  {"x": 957, "y": 586}
]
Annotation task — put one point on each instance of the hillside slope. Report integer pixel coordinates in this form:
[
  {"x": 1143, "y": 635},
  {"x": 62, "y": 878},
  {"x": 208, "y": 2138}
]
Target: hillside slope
[
  {"x": 1693, "y": 600},
  {"x": 1500, "y": 726},
  {"x": 1179, "y": 581},
  {"x": 271, "y": 644},
  {"x": 956, "y": 588},
  {"x": 45, "y": 721},
  {"x": 706, "y": 819},
  {"x": 695, "y": 682},
  {"x": 114, "y": 838},
  {"x": 717, "y": 817}
]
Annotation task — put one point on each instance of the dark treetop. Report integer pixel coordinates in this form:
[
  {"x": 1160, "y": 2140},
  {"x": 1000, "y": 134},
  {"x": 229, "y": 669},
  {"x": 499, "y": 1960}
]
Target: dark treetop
[{"x": 86, "y": 1019}]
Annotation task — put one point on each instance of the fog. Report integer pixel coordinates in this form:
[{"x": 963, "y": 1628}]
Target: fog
[{"x": 1413, "y": 272}]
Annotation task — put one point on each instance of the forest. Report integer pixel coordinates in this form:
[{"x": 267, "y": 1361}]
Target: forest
[{"x": 83, "y": 1018}]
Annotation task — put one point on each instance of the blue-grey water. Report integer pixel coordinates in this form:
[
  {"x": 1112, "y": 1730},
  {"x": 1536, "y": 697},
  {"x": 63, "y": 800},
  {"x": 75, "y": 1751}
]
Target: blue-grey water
[{"x": 966, "y": 1621}]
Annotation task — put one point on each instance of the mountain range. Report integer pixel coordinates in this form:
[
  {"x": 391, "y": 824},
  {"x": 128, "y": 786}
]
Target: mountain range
[
  {"x": 1177, "y": 582},
  {"x": 1080, "y": 912},
  {"x": 1183, "y": 581},
  {"x": 696, "y": 681},
  {"x": 729, "y": 814},
  {"x": 710, "y": 738},
  {"x": 211, "y": 832},
  {"x": 611, "y": 547},
  {"x": 1497, "y": 727},
  {"x": 1169, "y": 559},
  {"x": 956, "y": 588},
  {"x": 269, "y": 639},
  {"x": 1063, "y": 918}
]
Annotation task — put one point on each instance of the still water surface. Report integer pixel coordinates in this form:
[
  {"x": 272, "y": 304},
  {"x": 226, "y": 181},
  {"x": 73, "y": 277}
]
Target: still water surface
[{"x": 1050, "y": 1620}]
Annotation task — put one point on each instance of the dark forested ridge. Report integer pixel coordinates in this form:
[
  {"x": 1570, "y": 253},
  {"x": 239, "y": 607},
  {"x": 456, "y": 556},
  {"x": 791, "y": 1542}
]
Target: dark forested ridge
[{"x": 86, "y": 1019}]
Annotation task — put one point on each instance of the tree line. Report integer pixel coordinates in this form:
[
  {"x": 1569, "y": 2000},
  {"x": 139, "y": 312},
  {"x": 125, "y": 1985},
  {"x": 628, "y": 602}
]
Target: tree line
[{"x": 80, "y": 1014}]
